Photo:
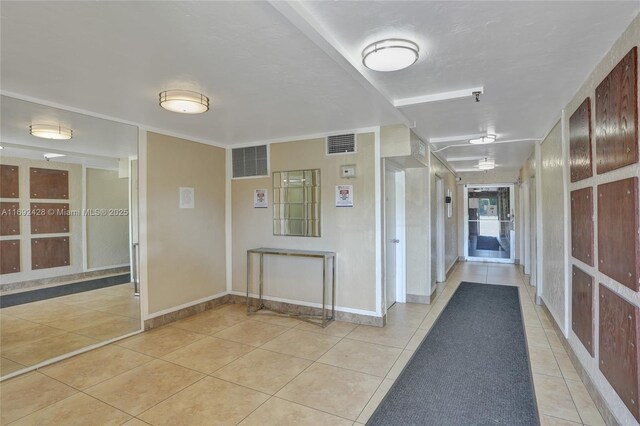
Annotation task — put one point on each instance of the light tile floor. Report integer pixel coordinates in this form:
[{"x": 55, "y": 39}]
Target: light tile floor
[
  {"x": 35, "y": 332},
  {"x": 224, "y": 367}
]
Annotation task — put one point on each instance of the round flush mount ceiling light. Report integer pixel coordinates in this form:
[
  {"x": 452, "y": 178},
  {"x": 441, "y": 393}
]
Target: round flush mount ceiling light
[
  {"x": 486, "y": 163},
  {"x": 392, "y": 54},
  {"x": 184, "y": 101},
  {"x": 483, "y": 140},
  {"x": 50, "y": 131}
]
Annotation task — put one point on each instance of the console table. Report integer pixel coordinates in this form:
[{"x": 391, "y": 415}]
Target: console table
[{"x": 326, "y": 256}]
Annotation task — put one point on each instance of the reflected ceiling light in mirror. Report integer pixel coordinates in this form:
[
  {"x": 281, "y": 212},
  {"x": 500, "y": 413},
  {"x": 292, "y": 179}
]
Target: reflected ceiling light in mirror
[
  {"x": 392, "y": 54},
  {"x": 50, "y": 131},
  {"x": 486, "y": 163},
  {"x": 184, "y": 101},
  {"x": 483, "y": 140}
]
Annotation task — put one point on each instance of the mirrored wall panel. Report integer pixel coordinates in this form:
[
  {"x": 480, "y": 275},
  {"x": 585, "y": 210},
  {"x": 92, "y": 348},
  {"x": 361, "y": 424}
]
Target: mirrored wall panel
[
  {"x": 296, "y": 203},
  {"x": 69, "y": 225}
]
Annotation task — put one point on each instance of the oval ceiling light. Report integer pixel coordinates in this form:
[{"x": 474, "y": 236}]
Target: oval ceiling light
[
  {"x": 486, "y": 163},
  {"x": 184, "y": 101},
  {"x": 483, "y": 140},
  {"x": 392, "y": 54},
  {"x": 50, "y": 131}
]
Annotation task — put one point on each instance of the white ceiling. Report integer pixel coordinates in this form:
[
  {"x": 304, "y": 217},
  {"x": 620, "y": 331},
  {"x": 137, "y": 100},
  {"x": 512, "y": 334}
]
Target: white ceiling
[{"x": 279, "y": 70}]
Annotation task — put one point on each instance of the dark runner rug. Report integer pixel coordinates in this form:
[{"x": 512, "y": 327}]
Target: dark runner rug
[
  {"x": 62, "y": 290},
  {"x": 487, "y": 243},
  {"x": 471, "y": 369}
]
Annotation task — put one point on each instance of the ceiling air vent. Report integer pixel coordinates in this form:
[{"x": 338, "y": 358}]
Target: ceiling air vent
[
  {"x": 250, "y": 161},
  {"x": 341, "y": 144}
]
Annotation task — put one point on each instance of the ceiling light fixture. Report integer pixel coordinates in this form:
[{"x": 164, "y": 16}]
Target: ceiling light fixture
[
  {"x": 483, "y": 140},
  {"x": 51, "y": 155},
  {"x": 184, "y": 101},
  {"x": 49, "y": 131},
  {"x": 392, "y": 54},
  {"x": 486, "y": 163}
]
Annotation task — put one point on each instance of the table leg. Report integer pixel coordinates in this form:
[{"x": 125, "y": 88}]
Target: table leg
[
  {"x": 260, "y": 304},
  {"x": 333, "y": 291},
  {"x": 249, "y": 275}
]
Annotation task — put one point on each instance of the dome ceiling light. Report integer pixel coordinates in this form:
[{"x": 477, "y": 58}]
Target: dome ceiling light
[
  {"x": 50, "y": 131},
  {"x": 483, "y": 140},
  {"x": 392, "y": 54},
  {"x": 184, "y": 101}
]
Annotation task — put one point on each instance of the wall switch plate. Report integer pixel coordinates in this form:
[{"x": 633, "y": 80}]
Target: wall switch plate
[{"x": 348, "y": 171}]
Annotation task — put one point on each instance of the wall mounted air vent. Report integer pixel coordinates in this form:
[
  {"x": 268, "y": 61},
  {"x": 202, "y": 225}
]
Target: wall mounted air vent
[
  {"x": 250, "y": 161},
  {"x": 341, "y": 144}
]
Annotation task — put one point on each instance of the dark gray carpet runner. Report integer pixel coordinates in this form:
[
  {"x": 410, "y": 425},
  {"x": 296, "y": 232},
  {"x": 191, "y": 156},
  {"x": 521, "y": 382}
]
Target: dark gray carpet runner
[{"x": 471, "y": 369}]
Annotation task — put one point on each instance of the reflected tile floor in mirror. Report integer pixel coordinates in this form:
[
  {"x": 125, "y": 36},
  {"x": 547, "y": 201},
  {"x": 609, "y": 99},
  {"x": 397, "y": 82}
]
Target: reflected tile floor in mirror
[
  {"x": 222, "y": 366},
  {"x": 35, "y": 332}
]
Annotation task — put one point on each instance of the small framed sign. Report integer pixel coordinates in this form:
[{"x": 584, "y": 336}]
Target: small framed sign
[
  {"x": 344, "y": 195},
  {"x": 260, "y": 199},
  {"x": 187, "y": 198}
]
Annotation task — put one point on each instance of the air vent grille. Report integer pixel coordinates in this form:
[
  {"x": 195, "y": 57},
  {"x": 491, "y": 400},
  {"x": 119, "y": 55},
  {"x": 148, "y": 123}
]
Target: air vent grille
[
  {"x": 341, "y": 144},
  {"x": 250, "y": 161}
]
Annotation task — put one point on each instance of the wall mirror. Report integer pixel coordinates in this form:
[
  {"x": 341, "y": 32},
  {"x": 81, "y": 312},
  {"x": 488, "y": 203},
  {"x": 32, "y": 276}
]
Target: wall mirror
[
  {"x": 296, "y": 203},
  {"x": 69, "y": 233}
]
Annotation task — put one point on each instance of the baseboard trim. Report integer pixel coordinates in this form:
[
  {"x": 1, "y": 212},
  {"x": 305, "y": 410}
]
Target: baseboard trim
[
  {"x": 601, "y": 404},
  {"x": 297, "y": 309},
  {"x": 178, "y": 314}
]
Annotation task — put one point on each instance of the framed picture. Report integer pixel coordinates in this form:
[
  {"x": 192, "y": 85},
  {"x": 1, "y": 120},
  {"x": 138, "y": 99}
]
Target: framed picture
[
  {"x": 260, "y": 199},
  {"x": 344, "y": 195}
]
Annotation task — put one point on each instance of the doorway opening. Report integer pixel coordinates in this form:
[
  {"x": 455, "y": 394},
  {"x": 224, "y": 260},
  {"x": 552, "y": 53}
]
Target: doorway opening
[
  {"x": 489, "y": 224},
  {"x": 440, "y": 230}
]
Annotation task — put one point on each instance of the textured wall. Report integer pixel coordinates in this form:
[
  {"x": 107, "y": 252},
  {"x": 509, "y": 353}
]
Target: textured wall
[
  {"x": 552, "y": 199},
  {"x": 349, "y": 231},
  {"x": 186, "y": 247},
  {"x": 630, "y": 38}
]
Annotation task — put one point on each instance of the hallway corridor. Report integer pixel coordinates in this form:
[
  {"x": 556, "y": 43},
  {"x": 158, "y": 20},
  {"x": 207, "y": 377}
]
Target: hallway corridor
[{"x": 223, "y": 367}]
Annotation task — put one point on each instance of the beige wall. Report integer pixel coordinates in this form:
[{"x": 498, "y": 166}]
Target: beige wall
[
  {"x": 348, "y": 231},
  {"x": 107, "y": 235},
  {"x": 185, "y": 247},
  {"x": 75, "y": 222},
  {"x": 418, "y": 231},
  {"x": 553, "y": 217},
  {"x": 451, "y": 224},
  {"x": 621, "y": 47}
]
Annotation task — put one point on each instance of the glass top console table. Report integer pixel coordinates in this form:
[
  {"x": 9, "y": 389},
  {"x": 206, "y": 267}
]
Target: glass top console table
[{"x": 328, "y": 259}]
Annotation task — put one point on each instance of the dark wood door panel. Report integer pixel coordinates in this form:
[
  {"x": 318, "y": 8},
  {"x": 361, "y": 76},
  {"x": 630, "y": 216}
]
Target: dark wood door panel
[
  {"x": 9, "y": 181},
  {"x": 582, "y": 286},
  {"x": 49, "y": 218},
  {"x": 619, "y": 337},
  {"x": 618, "y": 239},
  {"x": 9, "y": 218},
  {"x": 48, "y": 183},
  {"x": 582, "y": 225},
  {"x": 49, "y": 252},
  {"x": 9, "y": 256},
  {"x": 580, "y": 142},
  {"x": 616, "y": 124}
]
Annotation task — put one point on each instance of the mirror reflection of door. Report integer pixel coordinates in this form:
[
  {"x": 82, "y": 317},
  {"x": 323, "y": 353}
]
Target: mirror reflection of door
[
  {"x": 490, "y": 223},
  {"x": 69, "y": 222}
]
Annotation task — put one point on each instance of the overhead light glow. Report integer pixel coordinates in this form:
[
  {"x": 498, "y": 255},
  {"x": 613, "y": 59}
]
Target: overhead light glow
[
  {"x": 49, "y": 131},
  {"x": 184, "y": 101},
  {"x": 48, "y": 156},
  {"x": 390, "y": 55},
  {"x": 483, "y": 140},
  {"x": 486, "y": 163}
]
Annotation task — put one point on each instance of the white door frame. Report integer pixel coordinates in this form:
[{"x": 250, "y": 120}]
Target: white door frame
[
  {"x": 526, "y": 228},
  {"x": 440, "y": 231},
  {"x": 466, "y": 220},
  {"x": 401, "y": 284}
]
